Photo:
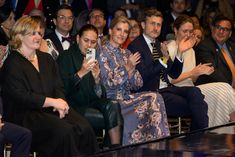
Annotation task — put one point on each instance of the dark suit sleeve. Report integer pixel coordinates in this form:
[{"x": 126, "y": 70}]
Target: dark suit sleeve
[{"x": 206, "y": 52}]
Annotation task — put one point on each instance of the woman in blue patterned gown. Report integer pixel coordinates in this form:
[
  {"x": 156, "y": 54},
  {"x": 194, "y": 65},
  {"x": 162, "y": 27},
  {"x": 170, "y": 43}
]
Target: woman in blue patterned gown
[{"x": 143, "y": 113}]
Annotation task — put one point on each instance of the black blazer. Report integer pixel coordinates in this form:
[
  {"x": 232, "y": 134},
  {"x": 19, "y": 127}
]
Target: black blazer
[
  {"x": 150, "y": 69},
  {"x": 209, "y": 52}
]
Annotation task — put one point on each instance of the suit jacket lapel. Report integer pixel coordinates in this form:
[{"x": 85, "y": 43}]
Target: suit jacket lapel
[{"x": 146, "y": 48}]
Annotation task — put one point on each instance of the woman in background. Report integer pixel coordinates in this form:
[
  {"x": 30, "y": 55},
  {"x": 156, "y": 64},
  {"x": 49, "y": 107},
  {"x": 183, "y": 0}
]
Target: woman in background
[{"x": 143, "y": 113}]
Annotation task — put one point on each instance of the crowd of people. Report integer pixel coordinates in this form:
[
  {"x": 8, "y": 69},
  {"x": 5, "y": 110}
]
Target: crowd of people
[{"x": 149, "y": 65}]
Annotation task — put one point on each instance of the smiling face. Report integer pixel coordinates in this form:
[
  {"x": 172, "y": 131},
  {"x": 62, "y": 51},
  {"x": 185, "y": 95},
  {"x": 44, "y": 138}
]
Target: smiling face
[
  {"x": 221, "y": 31},
  {"x": 87, "y": 40},
  {"x": 118, "y": 34}
]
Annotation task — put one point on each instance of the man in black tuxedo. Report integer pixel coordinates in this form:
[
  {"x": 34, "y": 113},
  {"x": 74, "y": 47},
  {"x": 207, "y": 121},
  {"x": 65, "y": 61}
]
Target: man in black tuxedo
[
  {"x": 211, "y": 50},
  {"x": 61, "y": 37},
  {"x": 156, "y": 64}
]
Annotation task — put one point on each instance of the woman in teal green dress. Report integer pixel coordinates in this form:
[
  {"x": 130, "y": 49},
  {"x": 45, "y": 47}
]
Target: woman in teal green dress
[{"x": 81, "y": 80}]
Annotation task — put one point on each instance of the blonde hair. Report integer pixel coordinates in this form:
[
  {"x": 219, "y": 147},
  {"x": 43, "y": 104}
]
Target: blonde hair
[
  {"x": 24, "y": 26},
  {"x": 119, "y": 19}
]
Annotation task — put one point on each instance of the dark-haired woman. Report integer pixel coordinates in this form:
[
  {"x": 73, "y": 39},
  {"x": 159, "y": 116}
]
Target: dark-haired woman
[{"x": 82, "y": 82}]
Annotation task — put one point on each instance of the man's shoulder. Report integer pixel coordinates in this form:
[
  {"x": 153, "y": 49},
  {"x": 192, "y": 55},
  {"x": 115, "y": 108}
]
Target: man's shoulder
[{"x": 137, "y": 42}]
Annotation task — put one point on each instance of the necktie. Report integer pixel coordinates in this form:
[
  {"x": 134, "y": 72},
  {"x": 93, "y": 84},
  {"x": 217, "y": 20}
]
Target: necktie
[
  {"x": 66, "y": 39},
  {"x": 155, "y": 52},
  {"x": 230, "y": 64},
  {"x": 156, "y": 55}
]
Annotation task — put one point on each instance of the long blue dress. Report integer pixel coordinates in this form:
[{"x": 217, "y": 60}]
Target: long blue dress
[{"x": 144, "y": 113}]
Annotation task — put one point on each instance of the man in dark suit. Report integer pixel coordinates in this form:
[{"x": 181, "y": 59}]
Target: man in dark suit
[
  {"x": 156, "y": 64},
  {"x": 61, "y": 37},
  {"x": 211, "y": 51}
]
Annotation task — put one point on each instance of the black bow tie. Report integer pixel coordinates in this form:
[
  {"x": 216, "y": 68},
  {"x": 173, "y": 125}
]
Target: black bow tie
[{"x": 66, "y": 39}]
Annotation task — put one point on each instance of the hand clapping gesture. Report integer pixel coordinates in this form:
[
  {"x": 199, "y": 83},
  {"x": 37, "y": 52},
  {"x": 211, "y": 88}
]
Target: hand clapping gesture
[{"x": 133, "y": 60}]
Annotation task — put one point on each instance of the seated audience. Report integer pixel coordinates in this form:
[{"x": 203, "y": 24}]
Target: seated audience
[
  {"x": 219, "y": 51},
  {"x": 155, "y": 64},
  {"x": 143, "y": 113},
  {"x": 33, "y": 97},
  {"x": 219, "y": 96},
  {"x": 82, "y": 82}
]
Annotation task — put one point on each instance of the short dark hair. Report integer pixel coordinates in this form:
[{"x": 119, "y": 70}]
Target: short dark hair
[
  {"x": 5, "y": 13},
  {"x": 220, "y": 18},
  {"x": 148, "y": 13},
  {"x": 63, "y": 6},
  {"x": 87, "y": 27}
]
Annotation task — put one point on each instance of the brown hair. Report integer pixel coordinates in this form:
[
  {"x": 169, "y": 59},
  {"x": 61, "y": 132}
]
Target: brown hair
[
  {"x": 182, "y": 19},
  {"x": 149, "y": 12},
  {"x": 23, "y": 26},
  {"x": 120, "y": 19}
]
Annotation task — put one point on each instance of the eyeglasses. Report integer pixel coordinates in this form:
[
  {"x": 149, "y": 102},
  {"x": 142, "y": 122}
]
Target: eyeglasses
[
  {"x": 224, "y": 29},
  {"x": 97, "y": 16},
  {"x": 63, "y": 18}
]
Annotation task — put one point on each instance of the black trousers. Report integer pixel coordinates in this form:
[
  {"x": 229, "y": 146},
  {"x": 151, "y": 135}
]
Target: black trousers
[
  {"x": 19, "y": 137},
  {"x": 186, "y": 102}
]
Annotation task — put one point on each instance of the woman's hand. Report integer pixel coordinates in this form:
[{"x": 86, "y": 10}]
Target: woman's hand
[
  {"x": 202, "y": 69},
  {"x": 132, "y": 61},
  {"x": 186, "y": 43},
  {"x": 87, "y": 66},
  {"x": 95, "y": 71},
  {"x": 58, "y": 105}
]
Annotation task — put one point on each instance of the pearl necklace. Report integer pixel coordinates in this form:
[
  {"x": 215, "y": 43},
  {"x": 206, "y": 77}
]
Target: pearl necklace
[{"x": 31, "y": 59}]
